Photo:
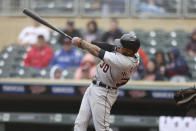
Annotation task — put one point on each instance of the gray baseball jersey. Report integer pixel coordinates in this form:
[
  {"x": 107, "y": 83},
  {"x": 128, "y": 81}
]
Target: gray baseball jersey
[{"x": 116, "y": 69}]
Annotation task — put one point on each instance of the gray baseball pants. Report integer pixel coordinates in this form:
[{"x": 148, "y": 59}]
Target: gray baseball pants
[{"x": 96, "y": 104}]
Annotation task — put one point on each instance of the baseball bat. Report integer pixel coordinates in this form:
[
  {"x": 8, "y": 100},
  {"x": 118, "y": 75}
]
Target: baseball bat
[{"x": 42, "y": 21}]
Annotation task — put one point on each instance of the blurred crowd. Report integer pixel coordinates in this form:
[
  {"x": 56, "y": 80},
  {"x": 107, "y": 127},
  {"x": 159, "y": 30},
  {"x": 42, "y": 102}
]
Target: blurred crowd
[
  {"x": 145, "y": 7},
  {"x": 152, "y": 6},
  {"x": 41, "y": 54}
]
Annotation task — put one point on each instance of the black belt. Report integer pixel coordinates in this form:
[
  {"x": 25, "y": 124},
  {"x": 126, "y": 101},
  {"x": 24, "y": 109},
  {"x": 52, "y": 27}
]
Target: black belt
[{"x": 102, "y": 85}]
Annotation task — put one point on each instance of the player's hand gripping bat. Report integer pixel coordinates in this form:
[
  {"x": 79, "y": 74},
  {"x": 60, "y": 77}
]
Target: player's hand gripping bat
[{"x": 42, "y": 21}]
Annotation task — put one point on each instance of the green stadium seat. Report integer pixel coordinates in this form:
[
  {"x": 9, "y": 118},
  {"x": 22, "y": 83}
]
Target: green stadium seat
[
  {"x": 34, "y": 73},
  {"x": 150, "y": 51},
  {"x": 6, "y": 71},
  {"x": 158, "y": 34},
  {"x": 70, "y": 72},
  {"x": 141, "y": 34},
  {"x": 138, "y": 30},
  {"x": 194, "y": 76},
  {"x": 45, "y": 73},
  {"x": 56, "y": 47},
  {"x": 14, "y": 74}
]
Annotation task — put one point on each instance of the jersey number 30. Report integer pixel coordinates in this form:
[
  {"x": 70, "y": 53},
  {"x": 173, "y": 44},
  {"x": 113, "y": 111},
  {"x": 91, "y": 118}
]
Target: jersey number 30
[{"x": 105, "y": 67}]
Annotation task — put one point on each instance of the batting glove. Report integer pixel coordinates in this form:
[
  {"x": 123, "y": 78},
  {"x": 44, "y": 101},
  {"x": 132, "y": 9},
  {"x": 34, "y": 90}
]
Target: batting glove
[{"x": 76, "y": 41}]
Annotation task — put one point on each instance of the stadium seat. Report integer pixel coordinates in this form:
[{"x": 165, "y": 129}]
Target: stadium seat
[
  {"x": 56, "y": 47},
  {"x": 172, "y": 6},
  {"x": 192, "y": 6},
  {"x": 181, "y": 33},
  {"x": 140, "y": 33},
  {"x": 53, "y": 38},
  {"x": 70, "y": 72},
  {"x": 150, "y": 51},
  {"x": 45, "y": 73},
  {"x": 158, "y": 34}
]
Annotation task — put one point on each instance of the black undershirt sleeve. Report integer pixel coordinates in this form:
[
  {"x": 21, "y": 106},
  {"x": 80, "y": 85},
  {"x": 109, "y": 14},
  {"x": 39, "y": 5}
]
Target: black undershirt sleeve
[
  {"x": 105, "y": 46},
  {"x": 101, "y": 54}
]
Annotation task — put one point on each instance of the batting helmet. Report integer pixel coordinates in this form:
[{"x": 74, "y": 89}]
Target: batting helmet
[{"x": 128, "y": 41}]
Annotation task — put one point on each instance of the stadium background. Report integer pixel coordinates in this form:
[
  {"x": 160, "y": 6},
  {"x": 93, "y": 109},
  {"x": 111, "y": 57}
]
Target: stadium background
[{"x": 140, "y": 103}]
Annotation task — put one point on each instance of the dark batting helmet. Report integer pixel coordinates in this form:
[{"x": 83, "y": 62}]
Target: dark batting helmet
[{"x": 128, "y": 41}]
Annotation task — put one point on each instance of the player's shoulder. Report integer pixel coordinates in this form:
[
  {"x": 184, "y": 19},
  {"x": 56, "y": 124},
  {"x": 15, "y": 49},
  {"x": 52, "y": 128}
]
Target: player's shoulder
[
  {"x": 121, "y": 59},
  {"x": 128, "y": 61}
]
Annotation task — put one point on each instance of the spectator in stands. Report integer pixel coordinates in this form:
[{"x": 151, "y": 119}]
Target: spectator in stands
[
  {"x": 151, "y": 73},
  {"x": 39, "y": 55},
  {"x": 29, "y": 35},
  {"x": 67, "y": 56},
  {"x": 93, "y": 33},
  {"x": 150, "y": 6},
  {"x": 87, "y": 68},
  {"x": 70, "y": 30},
  {"x": 176, "y": 69},
  {"x": 159, "y": 59},
  {"x": 113, "y": 33},
  {"x": 191, "y": 46},
  {"x": 56, "y": 73}
]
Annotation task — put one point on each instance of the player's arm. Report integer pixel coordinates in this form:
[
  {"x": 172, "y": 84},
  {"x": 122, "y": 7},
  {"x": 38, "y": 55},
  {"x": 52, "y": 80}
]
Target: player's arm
[{"x": 91, "y": 48}]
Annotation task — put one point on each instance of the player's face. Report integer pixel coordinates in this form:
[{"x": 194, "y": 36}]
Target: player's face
[{"x": 125, "y": 52}]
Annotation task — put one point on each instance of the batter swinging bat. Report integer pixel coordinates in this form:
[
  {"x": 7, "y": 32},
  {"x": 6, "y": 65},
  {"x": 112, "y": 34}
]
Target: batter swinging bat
[{"x": 42, "y": 21}]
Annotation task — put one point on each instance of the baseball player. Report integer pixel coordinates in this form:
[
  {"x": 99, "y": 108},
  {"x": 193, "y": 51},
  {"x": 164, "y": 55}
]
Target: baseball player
[{"x": 118, "y": 62}]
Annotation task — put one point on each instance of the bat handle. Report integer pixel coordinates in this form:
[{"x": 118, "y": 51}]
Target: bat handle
[{"x": 68, "y": 36}]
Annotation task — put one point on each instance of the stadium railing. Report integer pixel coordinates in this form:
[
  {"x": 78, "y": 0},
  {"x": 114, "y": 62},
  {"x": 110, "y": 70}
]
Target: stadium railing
[
  {"x": 68, "y": 119},
  {"x": 91, "y": 8}
]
